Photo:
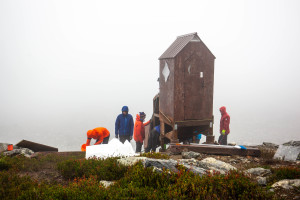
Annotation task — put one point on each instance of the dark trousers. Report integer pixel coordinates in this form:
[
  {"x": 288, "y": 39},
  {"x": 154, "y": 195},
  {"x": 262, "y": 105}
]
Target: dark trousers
[
  {"x": 223, "y": 139},
  {"x": 138, "y": 147},
  {"x": 123, "y": 138},
  {"x": 105, "y": 140},
  {"x": 153, "y": 141}
]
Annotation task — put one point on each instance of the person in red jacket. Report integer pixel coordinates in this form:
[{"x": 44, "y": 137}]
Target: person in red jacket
[
  {"x": 100, "y": 134},
  {"x": 224, "y": 126},
  {"x": 139, "y": 131}
]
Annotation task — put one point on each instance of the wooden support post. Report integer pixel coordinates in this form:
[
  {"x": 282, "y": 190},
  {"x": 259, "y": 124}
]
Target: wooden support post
[
  {"x": 210, "y": 138},
  {"x": 175, "y": 134},
  {"x": 162, "y": 135}
]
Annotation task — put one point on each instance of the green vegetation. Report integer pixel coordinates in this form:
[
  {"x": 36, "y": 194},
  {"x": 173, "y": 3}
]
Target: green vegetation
[
  {"x": 105, "y": 169},
  {"x": 136, "y": 182},
  {"x": 155, "y": 155},
  {"x": 284, "y": 173},
  {"x": 4, "y": 164}
]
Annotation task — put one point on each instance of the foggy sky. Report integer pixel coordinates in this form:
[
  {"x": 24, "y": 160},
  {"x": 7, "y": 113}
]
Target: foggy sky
[{"x": 69, "y": 66}]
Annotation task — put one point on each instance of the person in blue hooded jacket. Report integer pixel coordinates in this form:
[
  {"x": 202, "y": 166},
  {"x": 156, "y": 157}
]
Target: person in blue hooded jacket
[{"x": 124, "y": 126}]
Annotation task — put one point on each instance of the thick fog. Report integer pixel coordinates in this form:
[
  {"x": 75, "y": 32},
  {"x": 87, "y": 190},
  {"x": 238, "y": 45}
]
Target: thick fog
[{"x": 69, "y": 66}]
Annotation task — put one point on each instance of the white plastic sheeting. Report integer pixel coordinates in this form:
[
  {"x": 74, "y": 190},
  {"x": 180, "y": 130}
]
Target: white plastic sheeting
[
  {"x": 114, "y": 148},
  {"x": 289, "y": 153}
]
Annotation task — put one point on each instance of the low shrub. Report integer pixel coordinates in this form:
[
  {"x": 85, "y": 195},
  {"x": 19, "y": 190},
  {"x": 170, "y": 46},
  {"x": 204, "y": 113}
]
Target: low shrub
[
  {"x": 155, "y": 155},
  {"x": 105, "y": 169},
  {"x": 4, "y": 163},
  {"x": 284, "y": 173},
  {"x": 267, "y": 153},
  {"x": 12, "y": 186},
  {"x": 138, "y": 183}
]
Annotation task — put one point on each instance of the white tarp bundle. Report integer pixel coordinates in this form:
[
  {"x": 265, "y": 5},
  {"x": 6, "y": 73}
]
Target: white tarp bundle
[{"x": 114, "y": 148}]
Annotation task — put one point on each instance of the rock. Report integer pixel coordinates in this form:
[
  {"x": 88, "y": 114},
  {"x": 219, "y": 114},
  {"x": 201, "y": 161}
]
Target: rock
[
  {"x": 3, "y": 146},
  {"x": 270, "y": 145},
  {"x": 161, "y": 164},
  {"x": 191, "y": 161},
  {"x": 287, "y": 183},
  {"x": 288, "y": 152},
  {"x": 129, "y": 161},
  {"x": 196, "y": 170},
  {"x": 261, "y": 180},
  {"x": 258, "y": 171},
  {"x": 215, "y": 165},
  {"x": 245, "y": 160},
  {"x": 190, "y": 154},
  {"x": 106, "y": 183},
  {"x": 292, "y": 143},
  {"x": 24, "y": 151}
]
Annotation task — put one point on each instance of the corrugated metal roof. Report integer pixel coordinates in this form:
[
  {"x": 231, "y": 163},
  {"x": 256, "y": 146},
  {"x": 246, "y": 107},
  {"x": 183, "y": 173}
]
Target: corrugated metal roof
[{"x": 179, "y": 44}]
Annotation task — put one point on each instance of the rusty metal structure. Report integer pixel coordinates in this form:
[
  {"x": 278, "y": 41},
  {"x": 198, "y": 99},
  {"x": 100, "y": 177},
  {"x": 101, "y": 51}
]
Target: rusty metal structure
[{"x": 184, "y": 105}]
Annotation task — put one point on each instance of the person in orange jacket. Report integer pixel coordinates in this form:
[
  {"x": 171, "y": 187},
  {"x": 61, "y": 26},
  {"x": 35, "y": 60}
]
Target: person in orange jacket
[
  {"x": 139, "y": 131},
  {"x": 100, "y": 134}
]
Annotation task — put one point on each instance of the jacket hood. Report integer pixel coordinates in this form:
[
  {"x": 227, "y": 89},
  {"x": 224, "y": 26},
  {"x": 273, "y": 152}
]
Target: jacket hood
[
  {"x": 138, "y": 118},
  {"x": 125, "y": 109},
  {"x": 223, "y": 110}
]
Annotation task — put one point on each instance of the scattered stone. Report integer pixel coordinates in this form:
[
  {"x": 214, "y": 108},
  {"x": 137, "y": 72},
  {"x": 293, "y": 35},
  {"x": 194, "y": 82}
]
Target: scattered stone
[
  {"x": 129, "y": 161},
  {"x": 270, "y": 145},
  {"x": 287, "y": 183},
  {"x": 245, "y": 161},
  {"x": 258, "y": 171},
  {"x": 292, "y": 143},
  {"x": 215, "y": 165},
  {"x": 161, "y": 164},
  {"x": 233, "y": 161},
  {"x": 24, "y": 151},
  {"x": 196, "y": 170},
  {"x": 107, "y": 183},
  {"x": 191, "y": 161},
  {"x": 190, "y": 154},
  {"x": 261, "y": 180}
]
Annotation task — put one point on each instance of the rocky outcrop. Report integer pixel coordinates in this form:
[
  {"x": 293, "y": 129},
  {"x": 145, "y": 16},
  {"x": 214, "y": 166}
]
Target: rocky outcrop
[
  {"x": 190, "y": 154},
  {"x": 129, "y": 161},
  {"x": 258, "y": 171},
  {"x": 161, "y": 164},
  {"x": 23, "y": 151},
  {"x": 261, "y": 180},
  {"x": 215, "y": 165},
  {"x": 270, "y": 145},
  {"x": 287, "y": 183},
  {"x": 3, "y": 146}
]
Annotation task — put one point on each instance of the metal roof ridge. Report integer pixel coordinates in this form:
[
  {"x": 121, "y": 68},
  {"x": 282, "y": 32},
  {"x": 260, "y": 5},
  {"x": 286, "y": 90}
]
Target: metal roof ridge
[{"x": 195, "y": 33}]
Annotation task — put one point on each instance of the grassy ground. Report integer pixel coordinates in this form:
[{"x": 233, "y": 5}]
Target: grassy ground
[{"x": 70, "y": 176}]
